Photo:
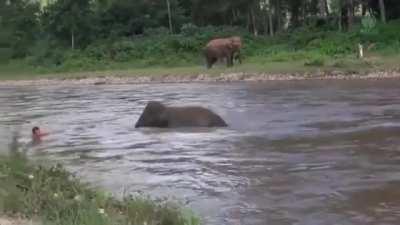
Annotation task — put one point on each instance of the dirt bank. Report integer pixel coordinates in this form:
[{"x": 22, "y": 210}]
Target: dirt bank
[
  {"x": 13, "y": 221},
  {"x": 228, "y": 77}
]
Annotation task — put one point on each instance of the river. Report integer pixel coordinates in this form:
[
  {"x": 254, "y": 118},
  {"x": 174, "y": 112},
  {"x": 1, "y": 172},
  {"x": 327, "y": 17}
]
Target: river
[{"x": 295, "y": 152}]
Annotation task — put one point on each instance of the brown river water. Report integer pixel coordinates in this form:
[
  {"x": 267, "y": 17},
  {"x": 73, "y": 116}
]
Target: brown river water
[{"x": 296, "y": 152}]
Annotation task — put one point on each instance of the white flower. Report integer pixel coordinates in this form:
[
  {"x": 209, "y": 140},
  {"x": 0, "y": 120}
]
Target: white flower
[
  {"x": 55, "y": 195},
  {"x": 101, "y": 211},
  {"x": 31, "y": 177},
  {"x": 78, "y": 198}
]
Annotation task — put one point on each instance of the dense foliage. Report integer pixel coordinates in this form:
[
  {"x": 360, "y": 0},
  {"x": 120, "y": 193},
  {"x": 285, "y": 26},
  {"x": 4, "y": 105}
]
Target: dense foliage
[{"x": 89, "y": 33}]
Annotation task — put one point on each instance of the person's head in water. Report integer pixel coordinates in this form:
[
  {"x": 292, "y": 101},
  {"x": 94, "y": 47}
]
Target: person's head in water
[
  {"x": 35, "y": 130},
  {"x": 37, "y": 134}
]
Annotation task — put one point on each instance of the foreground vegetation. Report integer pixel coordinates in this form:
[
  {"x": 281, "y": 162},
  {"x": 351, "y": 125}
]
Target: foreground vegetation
[{"x": 51, "y": 195}]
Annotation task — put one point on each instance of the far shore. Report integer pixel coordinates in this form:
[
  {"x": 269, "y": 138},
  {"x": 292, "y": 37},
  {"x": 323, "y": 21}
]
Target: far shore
[{"x": 110, "y": 78}]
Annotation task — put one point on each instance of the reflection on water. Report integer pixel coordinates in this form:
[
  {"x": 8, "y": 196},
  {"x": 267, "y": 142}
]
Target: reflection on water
[{"x": 312, "y": 152}]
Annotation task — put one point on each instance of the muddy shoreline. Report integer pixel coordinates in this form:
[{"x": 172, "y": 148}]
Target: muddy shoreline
[
  {"x": 200, "y": 78},
  {"x": 16, "y": 221}
]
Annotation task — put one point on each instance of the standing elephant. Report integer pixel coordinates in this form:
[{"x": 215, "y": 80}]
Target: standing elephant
[
  {"x": 156, "y": 114},
  {"x": 223, "y": 48}
]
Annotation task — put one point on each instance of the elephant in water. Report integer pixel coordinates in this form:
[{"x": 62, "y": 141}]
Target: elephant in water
[
  {"x": 156, "y": 114},
  {"x": 223, "y": 48}
]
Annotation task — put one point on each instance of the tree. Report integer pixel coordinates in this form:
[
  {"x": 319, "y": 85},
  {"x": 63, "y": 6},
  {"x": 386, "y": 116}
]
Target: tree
[
  {"x": 169, "y": 16},
  {"x": 350, "y": 14},
  {"x": 18, "y": 25},
  {"x": 385, "y": 9},
  {"x": 267, "y": 7},
  {"x": 69, "y": 21},
  {"x": 126, "y": 17},
  {"x": 252, "y": 17},
  {"x": 382, "y": 10},
  {"x": 323, "y": 8},
  {"x": 337, "y": 6},
  {"x": 278, "y": 14},
  {"x": 295, "y": 9}
]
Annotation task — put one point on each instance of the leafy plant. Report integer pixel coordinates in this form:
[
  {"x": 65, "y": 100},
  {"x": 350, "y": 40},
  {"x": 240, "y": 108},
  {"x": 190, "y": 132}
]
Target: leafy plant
[{"x": 368, "y": 24}]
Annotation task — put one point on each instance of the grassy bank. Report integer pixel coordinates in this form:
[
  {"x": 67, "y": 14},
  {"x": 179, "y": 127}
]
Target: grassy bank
[
  {"x": 18, "y": 70},
  {"x": 51, "y": 195}
]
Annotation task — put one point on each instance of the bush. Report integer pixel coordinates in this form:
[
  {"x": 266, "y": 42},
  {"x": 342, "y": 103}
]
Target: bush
[
  {"x": 159, "y": 31},
  {"x": 383, "y": 35},
  {"x": 333, "y": 44},
  {"x": 99, "y": 50},
  {"x": 315, "y": 62},
  {"x": 5, "y": 54},
  {"x": 189, "y": 29}
]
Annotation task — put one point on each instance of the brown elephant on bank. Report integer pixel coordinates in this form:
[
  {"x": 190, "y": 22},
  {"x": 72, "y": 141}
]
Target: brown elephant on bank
[
  {"x": 223, "y": 48},
  {"x": 156, "y": 114}
]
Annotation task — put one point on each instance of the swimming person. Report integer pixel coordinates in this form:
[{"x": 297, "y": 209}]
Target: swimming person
[{"x": 37, "y": 134}]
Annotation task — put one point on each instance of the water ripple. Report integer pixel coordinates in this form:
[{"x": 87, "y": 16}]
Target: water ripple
[{"x": 294, "y": 153}]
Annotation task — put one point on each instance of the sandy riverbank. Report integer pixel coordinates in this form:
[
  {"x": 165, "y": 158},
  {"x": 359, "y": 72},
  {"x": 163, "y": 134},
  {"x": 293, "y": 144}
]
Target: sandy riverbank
[
  {"x": 14, "y": 221},
  {"x": 89, "y": 79}
]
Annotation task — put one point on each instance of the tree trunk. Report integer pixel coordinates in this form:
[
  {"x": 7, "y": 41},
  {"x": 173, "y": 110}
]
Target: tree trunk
[
  {"x": 270, "y": 21},
  {"x": 326, "y": 7},
  {"x": 169, "y": 17},
  {"x": 360, "y": 50},
  {"x": 253, "y": 21},
  {"x": 382, "y": 10},
  {"x": 364, "y": 9},
  {"x": 350, "y": 12},
  {"x": 323, "y": 8},
  {"x": 72, "y": 39},
  {"x": 295, "y": 11},
  {"x": 249, "y": 21},
  {"x": 278, "y": 15},
  {"x": 340, "y": 12},
  {"x": 303, "y": 13}
]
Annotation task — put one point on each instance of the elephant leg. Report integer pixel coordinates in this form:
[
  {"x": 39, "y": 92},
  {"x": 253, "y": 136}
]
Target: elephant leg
[
  {"x": 229, "y": 61},
  {"x": 238, "y": 57},
  {"x": 210, "y": 62}
]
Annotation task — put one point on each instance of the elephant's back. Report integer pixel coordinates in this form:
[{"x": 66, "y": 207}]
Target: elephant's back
[
  {"x": 195, "y": 116},
  {"x": 217, "y": 42}
]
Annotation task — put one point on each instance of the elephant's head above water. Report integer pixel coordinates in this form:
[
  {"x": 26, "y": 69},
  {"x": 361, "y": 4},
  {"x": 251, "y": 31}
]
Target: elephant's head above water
[{"x": 157, "y": 114}]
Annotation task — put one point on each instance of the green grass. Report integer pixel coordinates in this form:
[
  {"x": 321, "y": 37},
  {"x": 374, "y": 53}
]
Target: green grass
[
  {"x": 53, "y": 196},
  {"x": 285, "y": 63}
]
